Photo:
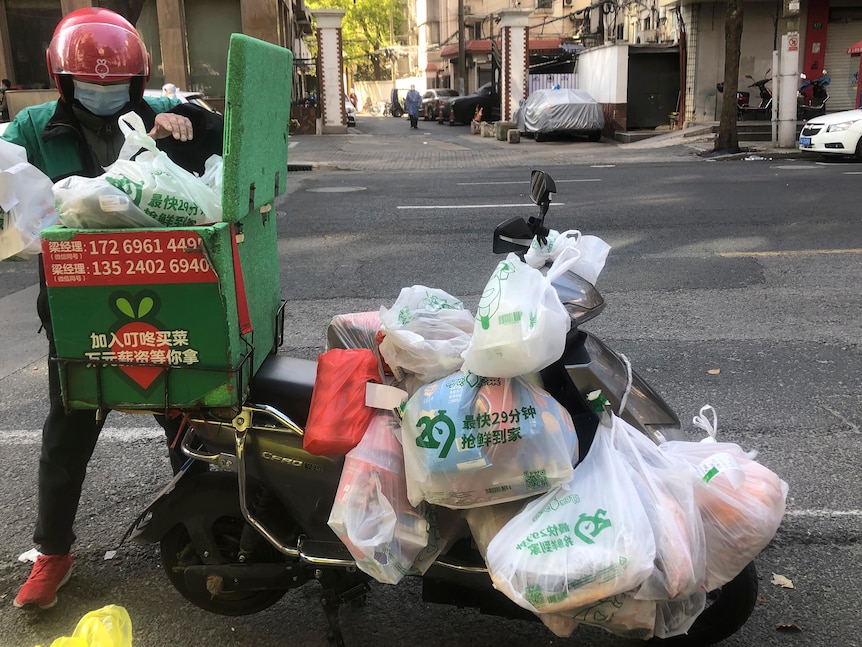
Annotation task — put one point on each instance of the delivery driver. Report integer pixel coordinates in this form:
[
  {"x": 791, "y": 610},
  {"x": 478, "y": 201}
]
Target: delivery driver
[{"x": 100, "y": 66}]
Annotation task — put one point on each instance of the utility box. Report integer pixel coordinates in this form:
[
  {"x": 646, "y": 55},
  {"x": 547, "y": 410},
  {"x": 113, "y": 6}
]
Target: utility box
[{"x": 157, "y": 319}]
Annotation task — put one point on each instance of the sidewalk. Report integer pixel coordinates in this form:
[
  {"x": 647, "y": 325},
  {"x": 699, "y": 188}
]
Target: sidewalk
[{"x": 441, "y": 147}]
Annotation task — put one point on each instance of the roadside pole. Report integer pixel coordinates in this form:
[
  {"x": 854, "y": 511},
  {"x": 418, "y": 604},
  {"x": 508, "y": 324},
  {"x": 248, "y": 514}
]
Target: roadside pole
[{"x": 788, "y": 79}]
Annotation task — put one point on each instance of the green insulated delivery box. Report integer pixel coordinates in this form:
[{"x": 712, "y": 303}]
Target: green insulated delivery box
[{"x": 182, "y": 317}]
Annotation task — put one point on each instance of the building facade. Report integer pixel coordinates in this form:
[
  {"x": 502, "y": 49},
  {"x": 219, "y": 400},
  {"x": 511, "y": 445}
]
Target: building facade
[{"x": 187, "y": 39}]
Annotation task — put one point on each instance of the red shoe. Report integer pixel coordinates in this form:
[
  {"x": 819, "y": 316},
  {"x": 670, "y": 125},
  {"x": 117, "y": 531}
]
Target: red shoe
[{"x": 49, "y": 573}]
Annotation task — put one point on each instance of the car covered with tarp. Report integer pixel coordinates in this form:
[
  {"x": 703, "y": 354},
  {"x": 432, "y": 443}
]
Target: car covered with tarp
[{"x": 560, "y": 110}]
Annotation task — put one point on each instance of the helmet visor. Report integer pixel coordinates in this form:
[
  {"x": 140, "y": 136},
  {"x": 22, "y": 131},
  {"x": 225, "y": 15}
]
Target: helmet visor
[{"x": 98, "y": 53}]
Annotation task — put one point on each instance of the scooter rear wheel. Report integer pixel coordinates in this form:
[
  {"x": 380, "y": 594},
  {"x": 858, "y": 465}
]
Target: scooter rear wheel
[
  {"x": 727, "y": 610},
  {"x": 224, "y": 526}
]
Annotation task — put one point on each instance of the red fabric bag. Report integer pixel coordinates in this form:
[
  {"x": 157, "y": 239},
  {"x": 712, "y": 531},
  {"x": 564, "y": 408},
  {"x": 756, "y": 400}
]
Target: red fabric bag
[{"x": 338, "y": 417}]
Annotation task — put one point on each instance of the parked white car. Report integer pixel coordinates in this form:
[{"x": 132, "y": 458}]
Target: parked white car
[
  {"x": 350, "y": 109},
  {"x": 838, "y": 133}
]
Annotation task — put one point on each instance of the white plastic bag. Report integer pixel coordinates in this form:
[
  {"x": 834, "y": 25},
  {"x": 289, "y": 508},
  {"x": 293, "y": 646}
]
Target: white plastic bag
[
  {"x": 371, "y": 514},
  {"x": 162, "y": 189},
  {"x": 471, "y": 441},
  {"x": 425, "y": 332},
  {"x": 740, "y": 501},
  {"x": 584, "y": 255},
  {"x": 26, "y": 204},
  {"x": 667, "y": 494},
  {"x": 584, "y": 541},
  {"x": 521, "y": 324},
  {"x": 93, "y": 203}
]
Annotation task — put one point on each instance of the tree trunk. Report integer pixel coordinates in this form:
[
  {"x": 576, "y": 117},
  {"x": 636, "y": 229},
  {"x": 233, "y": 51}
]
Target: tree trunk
[{"x": 728, "y": 137}]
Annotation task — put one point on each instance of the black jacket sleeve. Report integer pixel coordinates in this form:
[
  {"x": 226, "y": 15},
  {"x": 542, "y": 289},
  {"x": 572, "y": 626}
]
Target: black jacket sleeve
[{"x": 208, "y": 129}]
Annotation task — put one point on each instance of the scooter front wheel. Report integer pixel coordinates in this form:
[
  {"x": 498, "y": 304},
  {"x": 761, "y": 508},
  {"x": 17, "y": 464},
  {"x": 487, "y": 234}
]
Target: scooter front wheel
[{"x": 726, "y": 611}]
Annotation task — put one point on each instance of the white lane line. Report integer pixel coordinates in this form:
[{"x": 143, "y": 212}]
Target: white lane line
[
  {"x": 592, "y": 179},
  {"x": 115, "y": 434},
  {"x": 794, "y": 252},
  {"x": 473, "y": 206},
  {"x": 823, "y": 514}
]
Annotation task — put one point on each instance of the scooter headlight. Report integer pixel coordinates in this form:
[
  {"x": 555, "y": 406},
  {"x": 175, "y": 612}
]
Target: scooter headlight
[{"x": 835, "y": 128}]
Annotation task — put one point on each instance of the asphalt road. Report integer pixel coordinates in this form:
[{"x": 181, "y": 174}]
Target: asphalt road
[{"x": 731, "y": 283}]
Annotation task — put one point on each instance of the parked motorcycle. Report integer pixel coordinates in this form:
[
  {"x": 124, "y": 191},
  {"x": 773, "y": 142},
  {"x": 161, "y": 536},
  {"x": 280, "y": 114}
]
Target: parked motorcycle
[
  {"x": 764, "y": 110},
  {"x": 235, "y": 539},
  {"x": 744, "y": 109},
  {"x": 806, "y": 107}
]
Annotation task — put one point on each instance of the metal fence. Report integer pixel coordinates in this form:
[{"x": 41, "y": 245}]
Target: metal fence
[{"x": 547, "y": 81}]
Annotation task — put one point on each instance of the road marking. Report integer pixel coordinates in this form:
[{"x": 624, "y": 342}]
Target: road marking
[
  {"x": 592, "y": 179},
  {"x": 114, "y": 434},
  {"x": 473, "y": 206},
  {"x": 798, "y": 252},
  {"x": 822, "y": 514}
]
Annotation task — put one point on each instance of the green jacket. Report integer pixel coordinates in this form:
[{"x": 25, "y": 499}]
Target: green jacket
[{"x": 53, "y": 139}]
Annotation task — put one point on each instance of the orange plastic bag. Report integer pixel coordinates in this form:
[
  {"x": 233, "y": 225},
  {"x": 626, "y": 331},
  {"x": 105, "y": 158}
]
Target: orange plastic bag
[{"x": 338, "y": 417}]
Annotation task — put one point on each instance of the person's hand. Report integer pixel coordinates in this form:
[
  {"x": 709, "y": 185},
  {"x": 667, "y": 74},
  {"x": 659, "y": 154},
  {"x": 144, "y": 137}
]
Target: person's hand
[{"x": 171, "y": 125}]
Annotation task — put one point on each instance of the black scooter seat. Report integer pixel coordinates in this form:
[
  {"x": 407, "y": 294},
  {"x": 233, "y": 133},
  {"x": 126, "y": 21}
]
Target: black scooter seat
[{"x": 285, "y": 383}]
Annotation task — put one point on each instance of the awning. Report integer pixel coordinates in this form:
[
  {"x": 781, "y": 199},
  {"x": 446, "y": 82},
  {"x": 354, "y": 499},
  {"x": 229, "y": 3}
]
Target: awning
[{"x": 855, "y": 50}]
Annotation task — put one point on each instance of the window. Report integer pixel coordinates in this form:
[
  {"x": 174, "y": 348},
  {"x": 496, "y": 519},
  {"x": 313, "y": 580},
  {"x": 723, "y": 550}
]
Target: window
[
  {"x": 209, "y": 24},
  {"x": 544, "y": 4},
  {"x": 31, "y": 25}
]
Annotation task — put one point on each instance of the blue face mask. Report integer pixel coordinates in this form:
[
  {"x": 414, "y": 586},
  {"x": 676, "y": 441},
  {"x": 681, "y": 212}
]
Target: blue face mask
[{"x": 102, "y": 100}]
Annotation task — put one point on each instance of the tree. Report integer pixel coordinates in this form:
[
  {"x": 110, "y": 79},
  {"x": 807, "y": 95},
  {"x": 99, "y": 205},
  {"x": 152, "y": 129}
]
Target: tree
[
  {"x": 367, "y": 32},
  {"x": 728, "y": 137}
]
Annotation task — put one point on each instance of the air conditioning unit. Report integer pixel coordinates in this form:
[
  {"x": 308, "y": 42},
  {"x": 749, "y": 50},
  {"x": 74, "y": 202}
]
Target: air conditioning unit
[
  {"x": 646, "y": 36},
  {"x": 568, "y": 3}
]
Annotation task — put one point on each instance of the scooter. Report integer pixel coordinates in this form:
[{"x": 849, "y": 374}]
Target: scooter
[
  {"x": 764, "y": 110},
  {"x": 742, "y": 99},
  {"x": 815, "y": 106},
  {"x": 236, "y": 538}
]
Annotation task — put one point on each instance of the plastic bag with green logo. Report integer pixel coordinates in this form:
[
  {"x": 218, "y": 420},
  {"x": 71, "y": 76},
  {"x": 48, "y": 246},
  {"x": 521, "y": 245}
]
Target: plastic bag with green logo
[
  {"x": 109, "y": 626},
  {"x": 472, "y": 441},
  {"x": 584, "y": 541},
  {"x": 161, "y": 188}
]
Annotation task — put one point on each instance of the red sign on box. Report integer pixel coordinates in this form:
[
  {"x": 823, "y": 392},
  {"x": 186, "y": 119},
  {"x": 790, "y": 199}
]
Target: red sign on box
[{"x": 144, "y": 257}]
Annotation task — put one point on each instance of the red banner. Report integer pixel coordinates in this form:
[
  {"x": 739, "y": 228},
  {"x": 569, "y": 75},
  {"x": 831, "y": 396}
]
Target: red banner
[{"x": 146, "y": 257}]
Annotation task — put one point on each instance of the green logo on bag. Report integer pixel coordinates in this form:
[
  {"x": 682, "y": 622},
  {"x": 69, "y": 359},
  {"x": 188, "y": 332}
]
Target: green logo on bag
[
  {"x": 426, "y": 439},
  {"x": 591, "y": 525},
  {"x": 490, "y": 301}
]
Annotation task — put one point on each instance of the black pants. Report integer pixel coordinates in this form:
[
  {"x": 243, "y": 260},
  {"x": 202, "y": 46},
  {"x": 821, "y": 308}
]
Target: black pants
[
  {"x": 414, "y": 121},
  {"x": 68, "y": 441}
]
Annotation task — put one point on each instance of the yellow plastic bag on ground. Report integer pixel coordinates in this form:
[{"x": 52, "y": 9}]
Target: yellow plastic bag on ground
[{"x": 109, "y": 626}]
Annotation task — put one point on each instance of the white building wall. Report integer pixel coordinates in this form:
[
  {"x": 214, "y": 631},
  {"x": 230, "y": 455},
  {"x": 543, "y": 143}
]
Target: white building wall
[{"x": 603, "y": 72}]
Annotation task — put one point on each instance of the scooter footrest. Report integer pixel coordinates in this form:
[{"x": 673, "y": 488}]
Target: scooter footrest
[{"x": 316, "y": 550}]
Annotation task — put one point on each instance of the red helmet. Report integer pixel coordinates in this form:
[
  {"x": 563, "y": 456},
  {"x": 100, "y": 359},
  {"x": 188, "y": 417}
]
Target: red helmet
[{"x": 96, "y": 45}]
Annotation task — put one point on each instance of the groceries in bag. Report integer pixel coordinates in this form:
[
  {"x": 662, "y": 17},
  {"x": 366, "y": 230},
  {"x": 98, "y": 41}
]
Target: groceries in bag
[
  {"x": 338, "y": 415},
  {"x": 741, "y": 503},
  {"x": 94, "y": 203},
  {"x": 667, "y": 494},
  {"x": 424, "y": 333},
  {"x": 521, "y": 324},
  {"x": 583, "y": 541},
  {"x": 161, "y": 188},
  {"x": 26, "y": 204},
  {"x": 471, "y": 441},
  {"x": 371, "y": 514},
  {"x": 583, "y": 255}
]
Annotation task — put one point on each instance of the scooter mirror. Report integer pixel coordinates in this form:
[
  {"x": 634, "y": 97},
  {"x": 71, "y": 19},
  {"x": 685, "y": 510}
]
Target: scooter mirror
[
  {"x": 514, "y": 235},
  {"x": 541, "y": 187}
]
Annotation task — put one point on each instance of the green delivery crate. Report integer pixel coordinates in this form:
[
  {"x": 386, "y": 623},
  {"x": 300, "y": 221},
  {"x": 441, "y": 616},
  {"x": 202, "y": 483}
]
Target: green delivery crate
[{"x": 154, "y": 319}]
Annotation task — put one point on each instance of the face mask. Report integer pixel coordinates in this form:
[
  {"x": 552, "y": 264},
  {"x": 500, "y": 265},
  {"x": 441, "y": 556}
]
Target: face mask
[{"x": 102, "y": 100}]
